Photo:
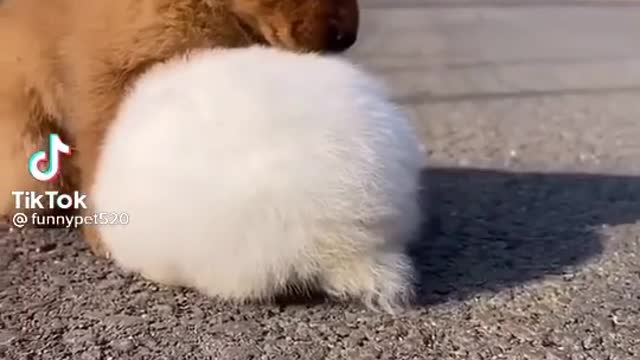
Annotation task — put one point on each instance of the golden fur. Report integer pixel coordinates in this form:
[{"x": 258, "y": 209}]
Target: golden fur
[{"x": 65, "y": 65}]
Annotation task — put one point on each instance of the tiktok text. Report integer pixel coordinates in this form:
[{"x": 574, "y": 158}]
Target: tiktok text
[{"x": 30, "y": 200}]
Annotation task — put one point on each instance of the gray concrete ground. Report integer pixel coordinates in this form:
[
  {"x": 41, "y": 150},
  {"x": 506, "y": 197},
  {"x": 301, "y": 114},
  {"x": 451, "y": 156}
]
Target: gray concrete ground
[{"x": 531, "y": 113}]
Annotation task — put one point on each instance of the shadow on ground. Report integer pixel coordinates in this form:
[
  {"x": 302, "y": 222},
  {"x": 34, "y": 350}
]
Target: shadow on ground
[{"x": 494, "y": 229}]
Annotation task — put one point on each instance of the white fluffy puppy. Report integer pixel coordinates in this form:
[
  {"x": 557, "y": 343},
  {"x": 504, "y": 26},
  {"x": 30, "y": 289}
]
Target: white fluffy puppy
[{"x": 248, "y": 173}]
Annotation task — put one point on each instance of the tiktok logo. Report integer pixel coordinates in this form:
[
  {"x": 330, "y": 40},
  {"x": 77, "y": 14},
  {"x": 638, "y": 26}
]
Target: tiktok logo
[{"x": 56, "y": 147}]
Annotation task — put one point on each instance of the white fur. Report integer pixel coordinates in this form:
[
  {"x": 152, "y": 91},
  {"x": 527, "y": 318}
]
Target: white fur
[{"x": 249, "y": 172}]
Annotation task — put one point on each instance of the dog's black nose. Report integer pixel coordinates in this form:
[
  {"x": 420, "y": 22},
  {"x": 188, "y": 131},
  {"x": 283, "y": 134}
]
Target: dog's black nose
[{"x": 339, "y": 41}]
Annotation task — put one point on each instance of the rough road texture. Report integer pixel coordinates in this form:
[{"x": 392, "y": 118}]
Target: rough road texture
[{"x": 531, "y": 113}]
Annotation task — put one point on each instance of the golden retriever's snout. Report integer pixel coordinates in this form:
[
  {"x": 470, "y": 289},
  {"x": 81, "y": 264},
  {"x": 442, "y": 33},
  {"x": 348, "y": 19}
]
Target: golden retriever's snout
[
  {"x": 309, "y": 25},
  {"x": 339, "y": 40},
  {"x": 343, "y": 26}
]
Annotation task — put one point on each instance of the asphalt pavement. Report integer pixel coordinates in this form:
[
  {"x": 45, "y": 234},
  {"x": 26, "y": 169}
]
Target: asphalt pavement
[{"x": 530, "y": 111}]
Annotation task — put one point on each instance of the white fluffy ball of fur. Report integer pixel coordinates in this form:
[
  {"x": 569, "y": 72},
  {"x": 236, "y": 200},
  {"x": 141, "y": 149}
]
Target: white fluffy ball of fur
[{"x": 247, "y": 173}]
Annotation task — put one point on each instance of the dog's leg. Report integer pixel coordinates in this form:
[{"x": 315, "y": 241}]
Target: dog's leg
[
  {"x": 20, "y": 121},
  {"x": 94, "y": 109}
]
